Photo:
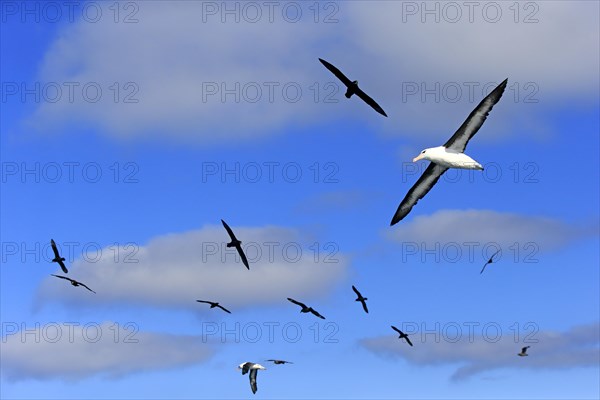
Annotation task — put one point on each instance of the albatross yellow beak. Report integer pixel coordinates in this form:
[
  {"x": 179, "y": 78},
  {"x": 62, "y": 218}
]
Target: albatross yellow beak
[{"x": 417, "y": 158}]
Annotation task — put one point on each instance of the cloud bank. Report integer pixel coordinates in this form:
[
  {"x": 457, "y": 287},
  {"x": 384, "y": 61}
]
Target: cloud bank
[
  {"x": 74, "y": 352},
  {"x": 176, "y": 269},
  {"x": 208, "y": 77}
]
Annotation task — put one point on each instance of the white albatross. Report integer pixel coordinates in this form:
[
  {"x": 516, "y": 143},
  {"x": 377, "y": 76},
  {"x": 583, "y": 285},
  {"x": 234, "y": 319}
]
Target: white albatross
[
  {"x": 253, "y": 369},
  {"x": 450, "y": 155}
]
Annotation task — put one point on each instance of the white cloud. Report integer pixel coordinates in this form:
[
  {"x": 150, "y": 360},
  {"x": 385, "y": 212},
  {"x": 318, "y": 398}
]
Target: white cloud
[
  {"x": 172, "y": 57},
  {"x": 577, "y": 347},
  {"x": 170, "y": 53},
  {"x": 74, "y": 352},
  {"x": 488, "y": 227},
  {"x": 176, "y": 269}
]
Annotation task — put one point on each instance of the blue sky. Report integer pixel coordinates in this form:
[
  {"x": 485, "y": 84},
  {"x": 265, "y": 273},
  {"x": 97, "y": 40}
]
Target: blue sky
[{"x": 129, "y": 131}]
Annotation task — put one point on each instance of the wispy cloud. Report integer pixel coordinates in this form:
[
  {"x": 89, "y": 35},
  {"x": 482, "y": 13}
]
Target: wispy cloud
[
  {"x": 576, "y": 347},
  {"x": 67, "y": 352}
]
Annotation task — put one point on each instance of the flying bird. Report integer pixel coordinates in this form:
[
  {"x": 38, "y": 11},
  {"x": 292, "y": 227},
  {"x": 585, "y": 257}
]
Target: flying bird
[
  {"x": 57, "y": 258},
  {"x": 523, "y": 352},
  {"x": 361, "y": 299},
  {"x": 490, "y": 261},
  {"x": 352, "y": 88},
  {"x": 236, "y": 243},
  {"x": 450, "y": 155},
  {"x": 306, "y": 309},
  {"x": 74, "y": 282},
  {"x": 253, "y": 369},
  {"x": 277, "y": 362},
  {"x": 402, "y": 335},
  {"x": 213, "y": 305}
]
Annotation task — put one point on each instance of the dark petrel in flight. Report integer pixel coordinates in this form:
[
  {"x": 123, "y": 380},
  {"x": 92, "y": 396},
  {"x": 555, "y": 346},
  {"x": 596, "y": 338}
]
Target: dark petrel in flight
[
  {"x": 306, "y": 309},
  {"x": 450, "y": 155},
  {"x": 74, "y": 282},
  {"x": 213, "y": 305},
  {"x": 253, "y": 369},
  {"x": 402, "y": 335},
  {"x": 361, "y": 299},
  {"x": 490, "y": 261},
  {"x": 57, "y": 258},
  {"x": 523, "y": 352},
  {"x": 236, "y": 243},
  {"x": 278, "y": 362},
  {"x": 353, "y": 87}
]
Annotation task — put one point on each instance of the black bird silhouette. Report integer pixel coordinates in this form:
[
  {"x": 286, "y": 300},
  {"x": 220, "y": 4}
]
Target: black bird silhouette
[
  {"x": 361, "y": 299},
  {"x": 523, "y": 352},
  {"x": 402, "y": 335},
  {"x": 57, "y": 258},
  {"x": 236, "y": 243},
  {"x": 280, "y": 362},
  {"x": 306, "y": 309},
  {"x": 490, "y": 261},
  {"x": 213, "y": 305},
  {"x": 74, "y": 282},
  {"x": 353, "y": 88}
]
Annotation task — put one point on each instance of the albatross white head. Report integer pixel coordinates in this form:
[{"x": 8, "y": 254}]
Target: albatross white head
[{"x": 448, "y": 158}]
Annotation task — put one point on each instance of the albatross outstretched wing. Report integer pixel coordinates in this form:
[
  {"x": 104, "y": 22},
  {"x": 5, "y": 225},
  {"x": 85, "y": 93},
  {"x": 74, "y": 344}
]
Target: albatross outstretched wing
[
  {"x": 336, "y": 72},
  {"x": 242, "y": 255},
  {"x": 229, "y": 231},
  {"x": 429, "y": 178},
  {"x": 483, "y": 269},
  {"x": 54, "y": 248},
  {"x": 458, "y": 141},
  {"x": 315, "y": 312},
  {"x": 253, "y": 386},
  {"x": 223, "y": 308},
  {"x": 297, "y": 302},
  {"x": 64, "y": 277},
  {"x": 364, "y": 304},
  {"x": 370, "y": 101},
  {"x": 86, "y": 286}
]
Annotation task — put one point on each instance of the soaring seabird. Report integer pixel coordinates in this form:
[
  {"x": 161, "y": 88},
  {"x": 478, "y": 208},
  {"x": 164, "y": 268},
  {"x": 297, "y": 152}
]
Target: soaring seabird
[
  {"x": 253, "y": 369},
  {"x": 361, "y": 299},
  {"x": 491, "y": 260},
  {"x": 236, "y": 243},
  {"x": 57, "y": 258},
  {"x": 450, "y": 155},
  {"x": 353, "y": 87},
  {"x": 74, "y": 282},
  {"x": 306, "y": 309},
  {"x": 402, "y": 335},
  {"x": 280, "y": 362},
  {"x": 523, "y": 352},
  {"x": 213, "y": 305}
]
